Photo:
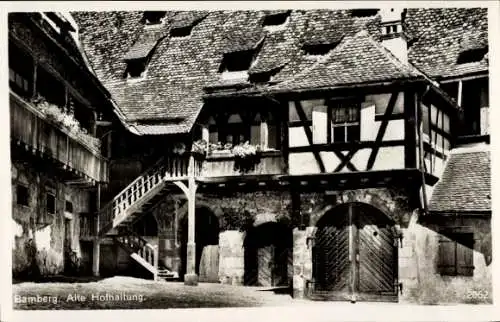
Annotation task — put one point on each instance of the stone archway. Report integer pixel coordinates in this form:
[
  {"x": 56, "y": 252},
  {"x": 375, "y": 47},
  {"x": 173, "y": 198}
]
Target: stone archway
[
  {"x": 355, "y": 254},
  {"x": 268, "y": 255},
  {"x": 206, "y": 240}
]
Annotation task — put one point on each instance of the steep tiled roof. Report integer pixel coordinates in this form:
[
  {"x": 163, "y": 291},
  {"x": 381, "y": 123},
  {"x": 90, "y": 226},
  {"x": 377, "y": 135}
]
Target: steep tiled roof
[
  {"x": 441, "y": 34},
  {"x": 181, "y": 67},
  {"x": 357, "y": 59},
  {"x": 465, "y": 184}
]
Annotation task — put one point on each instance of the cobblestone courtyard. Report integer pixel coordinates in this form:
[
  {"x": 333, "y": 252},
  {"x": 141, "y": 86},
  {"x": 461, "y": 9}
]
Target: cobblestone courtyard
[{"x": 133, "y": 293}]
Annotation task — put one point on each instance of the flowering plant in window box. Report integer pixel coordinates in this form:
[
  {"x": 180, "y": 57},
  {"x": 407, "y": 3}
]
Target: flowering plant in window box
[
  {"x": 246, "y": 156},
  {"x": 179, "y": 148},
  {"x": 220, "y": 148},
  {"x": 200, "y": 149},
  {"x": 66, "y": 120}
]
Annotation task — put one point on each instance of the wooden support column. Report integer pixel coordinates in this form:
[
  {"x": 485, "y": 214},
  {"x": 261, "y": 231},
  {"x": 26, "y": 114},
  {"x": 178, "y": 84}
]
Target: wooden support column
[
  {"x": 205, "y": 133},
  {"x": 35, "y": 72},
  {"x": 459, "y": 94},
  {"x": 96, "y": 251},
  {"x": 264, "y": 134},
  {"x": 190, "y": 278}
]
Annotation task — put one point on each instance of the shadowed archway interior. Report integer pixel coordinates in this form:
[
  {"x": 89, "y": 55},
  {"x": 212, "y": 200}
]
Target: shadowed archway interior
[
  {"x": 268, "y": 255},
  {"x": 206, "y": 234}
]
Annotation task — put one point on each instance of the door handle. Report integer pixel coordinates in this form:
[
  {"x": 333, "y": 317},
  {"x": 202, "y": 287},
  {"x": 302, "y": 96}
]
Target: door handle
[{"x": 357, "y": 258}]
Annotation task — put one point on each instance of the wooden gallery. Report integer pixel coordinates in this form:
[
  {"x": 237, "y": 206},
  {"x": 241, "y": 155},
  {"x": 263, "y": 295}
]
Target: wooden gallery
[{"x": 339, "y": 154}]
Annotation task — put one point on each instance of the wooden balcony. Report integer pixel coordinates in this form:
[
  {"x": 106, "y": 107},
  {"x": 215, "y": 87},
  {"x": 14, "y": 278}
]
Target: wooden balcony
[{"x": 30, "y": 128}]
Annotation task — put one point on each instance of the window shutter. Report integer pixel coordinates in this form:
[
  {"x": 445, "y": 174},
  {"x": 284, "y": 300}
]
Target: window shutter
[
  {"x": 320, "y": 124},
  {"x": 447, "y": 258},
  {"x": 465, "y": 254}
]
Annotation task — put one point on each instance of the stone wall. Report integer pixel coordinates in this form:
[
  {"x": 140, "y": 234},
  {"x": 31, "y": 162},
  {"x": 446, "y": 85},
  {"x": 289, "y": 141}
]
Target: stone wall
[
  {"x": 418, "y": 263},
  {"x": 235, "y": 211},
  {"x": 38, "y": 238}
]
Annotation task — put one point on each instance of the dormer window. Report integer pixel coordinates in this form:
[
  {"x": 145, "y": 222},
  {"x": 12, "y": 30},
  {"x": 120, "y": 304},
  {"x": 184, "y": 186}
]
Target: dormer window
[
  {"x": 360, "y": 13},
  {"x": 275, "y": 20},
  {"x": 136, "y": 68},
  {"x": 472, "y": 55},
  {"x": 391, "y": 29},
  {"x": 235, "y": 65},
  {"x": 184, "y": 22},
  {"x": 318, "y": 49},
  {"x": 181, "y": 32},
  {"x": 153, "y": 17},
  {"x": 237, "y": 61}
]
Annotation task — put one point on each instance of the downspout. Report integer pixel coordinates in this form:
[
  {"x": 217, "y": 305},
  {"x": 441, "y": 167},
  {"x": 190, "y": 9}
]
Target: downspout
[{"x": 419, "y": 131}]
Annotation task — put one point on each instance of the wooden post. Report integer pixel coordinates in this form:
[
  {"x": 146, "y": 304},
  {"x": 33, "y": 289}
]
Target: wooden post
[
  {"x": 205, "y": 133},
  {"x": 96, "y": 251},
  {"x": 35, "y": 71},
  {"x": 459, "y": 94},
  {"x": 191, "y": 278},
  {"x": 155, "y": 260},
  {"x": 264, "y": 134}
]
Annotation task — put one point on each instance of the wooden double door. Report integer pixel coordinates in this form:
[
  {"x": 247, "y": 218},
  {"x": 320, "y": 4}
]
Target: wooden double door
[{"x": 355, "y": 255}]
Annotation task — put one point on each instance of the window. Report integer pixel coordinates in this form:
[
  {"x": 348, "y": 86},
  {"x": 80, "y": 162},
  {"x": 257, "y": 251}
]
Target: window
[
  {"x": 181, "y": 32},
  {"x": 213, "y": 134},
  {"x": 68, "y": 207},
  {"x": 51, "y": 203},
  {"x": 363, "y": 12},
  {"x": 275, "y": 19},
  {"x": 472, "y": 55},
  {"x": 153, "y": 17},
  {"x": 82, "y": 113},
  {"x": 392, "y": 28},
  {"x": 456, "y": 254},
  {"x": 318, "y": 49},
  {"x": 237, "y": 61},
  {"x": 236, "y": 132},
  {"x": 49, "y": 87},
  {"x": 344, "y": 118},
  {"x": 258, "y": 128},
  {"x": 21, "y": 71},
  {"x": 22, "y": 195},
  {"x": 136, "y": 67}
]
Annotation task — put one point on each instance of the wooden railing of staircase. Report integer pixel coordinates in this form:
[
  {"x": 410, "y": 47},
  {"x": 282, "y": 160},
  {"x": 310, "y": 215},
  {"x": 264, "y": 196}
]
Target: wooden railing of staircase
[
  {"x": 134, "y": 243},
  {"x": 170, "y": 167}
]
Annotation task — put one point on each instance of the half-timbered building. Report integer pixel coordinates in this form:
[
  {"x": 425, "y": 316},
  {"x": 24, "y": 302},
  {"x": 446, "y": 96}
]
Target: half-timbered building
[{"x": 324, "y": 151}]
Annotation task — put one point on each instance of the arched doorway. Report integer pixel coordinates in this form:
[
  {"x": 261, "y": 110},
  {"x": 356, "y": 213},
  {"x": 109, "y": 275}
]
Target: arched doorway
[
  {"x": 207, "y": 241},
  {"x": 355, "y": 254},
  {"x": 268, "y": 255}
]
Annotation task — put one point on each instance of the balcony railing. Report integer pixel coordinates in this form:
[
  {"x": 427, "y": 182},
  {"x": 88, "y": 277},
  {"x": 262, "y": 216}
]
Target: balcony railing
[
  {"x": 31, "y": 127},
  {"x": 222, "y": 165}
]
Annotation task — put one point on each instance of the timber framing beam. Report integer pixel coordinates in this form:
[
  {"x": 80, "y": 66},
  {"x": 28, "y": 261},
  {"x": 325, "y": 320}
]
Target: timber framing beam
[
  {"x": 381, "y": 131},
  {"x": 309, "y": 134}
]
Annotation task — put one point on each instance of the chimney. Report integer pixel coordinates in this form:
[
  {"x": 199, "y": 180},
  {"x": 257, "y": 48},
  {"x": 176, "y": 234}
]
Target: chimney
[{"x": 391, "y": 29}]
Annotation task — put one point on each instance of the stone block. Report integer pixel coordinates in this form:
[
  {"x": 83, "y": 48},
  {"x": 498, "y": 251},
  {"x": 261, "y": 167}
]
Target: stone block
[{"x": 191, "y": 279}]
